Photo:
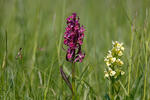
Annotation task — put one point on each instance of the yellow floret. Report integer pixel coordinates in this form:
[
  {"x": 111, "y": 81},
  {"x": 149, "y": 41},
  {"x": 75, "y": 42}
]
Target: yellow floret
[
  {"x": 106, "y": 74},
  {"x": 119, "y": 62},
  {"x": 120, "y": 53},
  {"x": 122, "y": 72},
  {"x": 112, "y": 73}
]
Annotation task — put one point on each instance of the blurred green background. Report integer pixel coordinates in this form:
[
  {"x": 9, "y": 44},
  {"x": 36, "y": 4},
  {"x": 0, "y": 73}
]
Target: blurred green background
[{"x": 37, "y": 26}]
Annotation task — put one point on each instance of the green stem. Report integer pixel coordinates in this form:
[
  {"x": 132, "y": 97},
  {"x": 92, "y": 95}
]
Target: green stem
[
  {"x": 73, "y": 81},
  {"x": 112, "y": 90}
]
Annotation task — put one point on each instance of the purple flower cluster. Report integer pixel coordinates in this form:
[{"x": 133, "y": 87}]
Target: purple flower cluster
[{"x": 73, "y": 38}]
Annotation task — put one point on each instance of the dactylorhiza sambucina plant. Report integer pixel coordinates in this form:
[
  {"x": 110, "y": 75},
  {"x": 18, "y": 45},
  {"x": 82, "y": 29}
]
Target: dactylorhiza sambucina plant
[
  {"x": 113, "y": 71},
  {"x": 73, "y": 39}
]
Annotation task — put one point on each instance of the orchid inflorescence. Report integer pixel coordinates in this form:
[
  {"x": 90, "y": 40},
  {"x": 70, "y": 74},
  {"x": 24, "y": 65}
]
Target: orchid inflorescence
[
  {"x": 73, "y": 38},
  {"x": 113, "y": 61}
]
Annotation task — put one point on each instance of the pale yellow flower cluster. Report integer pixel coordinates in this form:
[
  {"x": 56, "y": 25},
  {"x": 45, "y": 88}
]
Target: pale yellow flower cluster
[{"x": 113, "y": 60}]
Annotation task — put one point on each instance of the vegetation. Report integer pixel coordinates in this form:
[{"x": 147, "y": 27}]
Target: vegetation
[{"x": 31, "y": 48}]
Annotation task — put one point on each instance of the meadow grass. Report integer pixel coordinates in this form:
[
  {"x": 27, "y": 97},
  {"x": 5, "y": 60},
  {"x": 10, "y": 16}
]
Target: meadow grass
[{"x": 38, "y": 26}]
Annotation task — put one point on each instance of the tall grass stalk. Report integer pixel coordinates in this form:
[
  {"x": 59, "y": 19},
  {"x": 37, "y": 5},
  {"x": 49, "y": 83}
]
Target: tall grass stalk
[
  {"x": 73, "y": 82},
  {"x": 49, "y": 79},
  {"x": 5, "y": 55},
  {"x": 145, "y": 79},
  {"x": 125, "y": 91},
  {"x": 146, "y": 59},
  {"x": 130, "y": 57}
]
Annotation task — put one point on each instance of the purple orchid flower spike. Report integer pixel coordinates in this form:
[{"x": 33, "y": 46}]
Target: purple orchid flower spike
[{"x": 73, "y": 38}]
